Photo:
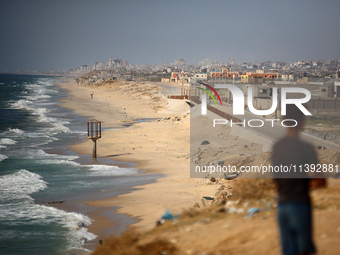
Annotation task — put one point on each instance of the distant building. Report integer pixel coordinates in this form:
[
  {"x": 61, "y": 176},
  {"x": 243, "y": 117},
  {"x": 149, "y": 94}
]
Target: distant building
[
  {"x": 216, "y": 74},
  {"x": 98, "y": 66},
  {"x": 115, "y": 63},
  {"x": 174, "y": 77},
  {"x": 337, "y": 89},
  {"x": 198, "y": 77},
  {"x": 179, "y": 62},
  {"x": 287, "y": 77},
  {"x": 85, "y": 68},
  {"x": 224, "y": 73},
  {"x": 202, "y": 76},
  {"x": 231, "y": 61},
  {"x": 165, "y": 80},
  {"x": 326, "y": 91},
  {"x": 337, "y": 74},
  {"x": 179, "y": 77},
  {"x": 249, "y": 77}
]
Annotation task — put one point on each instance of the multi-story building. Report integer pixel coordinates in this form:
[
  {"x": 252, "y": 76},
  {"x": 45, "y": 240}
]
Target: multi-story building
[
  {"x": 224, "y": 73},
  {"x": 179, "y": 62},
  {"x": 98, "y": 66},
  {"x": 201, "y": 76},
  {"x": 179, "y": 77},
  {"x": 115, "y": 63},
  {"x": 287, "y": 77},
  {"x": 85, "y": 68},
  {"x": 249, "y": 77}
]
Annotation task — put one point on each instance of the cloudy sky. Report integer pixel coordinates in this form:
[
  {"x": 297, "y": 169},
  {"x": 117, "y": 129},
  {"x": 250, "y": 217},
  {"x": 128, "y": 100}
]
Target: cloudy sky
[{"x": 58, "y": 35}]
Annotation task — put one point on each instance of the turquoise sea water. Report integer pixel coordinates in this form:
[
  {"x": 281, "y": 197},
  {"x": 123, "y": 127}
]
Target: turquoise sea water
[{"x": 33, "y": 128}]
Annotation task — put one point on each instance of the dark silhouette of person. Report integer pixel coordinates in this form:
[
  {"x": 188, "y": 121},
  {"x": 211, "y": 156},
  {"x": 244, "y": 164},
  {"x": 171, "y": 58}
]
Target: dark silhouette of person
[{"x": 294, "y": 209}]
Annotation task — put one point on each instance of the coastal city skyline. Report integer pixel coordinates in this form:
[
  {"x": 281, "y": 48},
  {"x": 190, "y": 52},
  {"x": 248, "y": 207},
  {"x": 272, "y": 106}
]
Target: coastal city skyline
[
  {"x": 169, "y": 127},
  {"x": 180, "y": 71},
  {"x": 55, "y": 36}
]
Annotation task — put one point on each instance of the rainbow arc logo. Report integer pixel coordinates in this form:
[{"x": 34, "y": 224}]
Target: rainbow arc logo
[{"x": 209, "y": 93}]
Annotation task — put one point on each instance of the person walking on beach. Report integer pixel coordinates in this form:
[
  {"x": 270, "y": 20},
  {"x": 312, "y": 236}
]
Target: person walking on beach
[{"x": 294, "y": 203}]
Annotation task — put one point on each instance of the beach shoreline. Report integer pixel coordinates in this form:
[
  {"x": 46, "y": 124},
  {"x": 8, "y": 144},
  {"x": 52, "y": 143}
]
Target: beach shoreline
[
  {"x": 104, "y": 217},
  {"x": 161, "y": 146},
  {"x": 148, "y": 144}
]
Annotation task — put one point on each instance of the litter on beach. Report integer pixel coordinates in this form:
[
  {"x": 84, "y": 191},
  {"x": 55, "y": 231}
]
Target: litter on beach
[{"x": 208, "y": 198}]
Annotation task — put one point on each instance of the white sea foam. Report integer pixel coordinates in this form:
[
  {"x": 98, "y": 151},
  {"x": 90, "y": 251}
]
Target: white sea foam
[
  {"x": 17, "y": 207},
  {"x": 78, "y": 224},
  {"x": 40, "y": 133},
  {"x": 22, "y": 104},
  {"x": 38, "y": 154},
  {"x": 37, "y": 97},
  {"x": 42, "y": 89},
  {"x": 7, "y": 141},
  {"x": 59, "y": 161},
  {"x": 40, "y": 138},
  {"x": 38, "y": 93},
  {"x": 20, "y": 184},
  {"x": 2, "y": 157},
  {"x": 79, "y": 132},
  {"x": 58, "y": 125},
  {"x": 42, "y": 154},
  {"x": 107, "y": 170},
  {"x": 15, "y": 130},
  {"x": 31, "y": 213},
  {"x": 3, "y": 147},
  {"x": 46, "y": 103}
]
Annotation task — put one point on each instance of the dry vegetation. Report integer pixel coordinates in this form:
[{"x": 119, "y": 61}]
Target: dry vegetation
[
  {"x": 161, "y": 240},
  {"x": 254, "y": 189},
  {"x": 215, "y": 229},
  {"x": 129, "y": 243}
]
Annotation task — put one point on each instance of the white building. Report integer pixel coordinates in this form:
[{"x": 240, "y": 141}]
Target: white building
[
  {"x": 180, "y": 62},
  {"x": 98, "y": 66}
]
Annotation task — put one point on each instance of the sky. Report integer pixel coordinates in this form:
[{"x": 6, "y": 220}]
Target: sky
[{"x": 46, "y": 35}]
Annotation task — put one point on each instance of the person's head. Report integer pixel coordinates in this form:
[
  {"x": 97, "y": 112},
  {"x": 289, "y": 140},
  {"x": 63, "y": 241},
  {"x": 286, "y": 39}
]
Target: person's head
[{"x": 293, "y": 112}]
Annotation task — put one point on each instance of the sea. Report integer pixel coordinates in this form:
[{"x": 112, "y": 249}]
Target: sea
[{"x": 36, "y": 167}]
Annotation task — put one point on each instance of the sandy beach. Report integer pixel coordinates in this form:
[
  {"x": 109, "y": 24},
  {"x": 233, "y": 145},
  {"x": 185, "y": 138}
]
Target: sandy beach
[
  {"x": 162, "y": 146},
  {"x": 157, "y": 146}
]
